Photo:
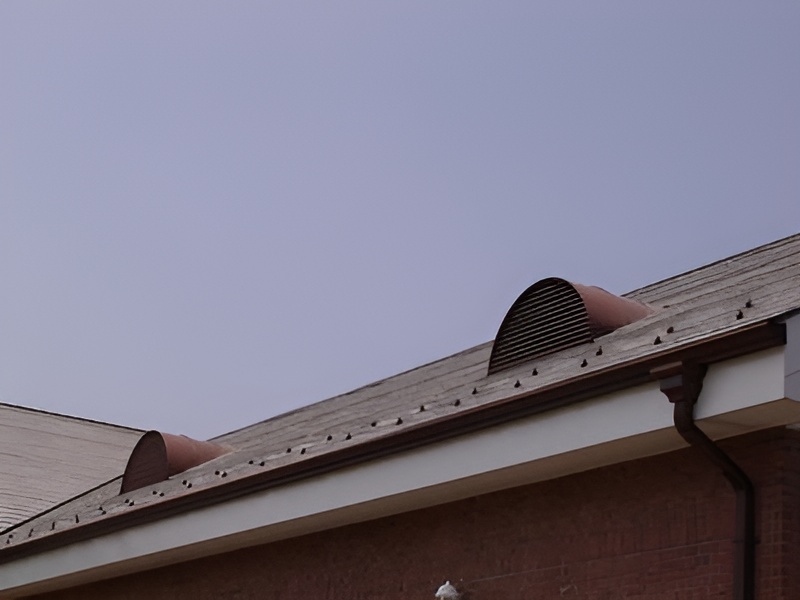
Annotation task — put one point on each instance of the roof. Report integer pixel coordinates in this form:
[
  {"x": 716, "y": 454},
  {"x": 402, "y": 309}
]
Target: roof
[
  {"x": 714, "y": 313},
  {"x": 47, "y": 458},
  {"x": 695, "y": 306}
]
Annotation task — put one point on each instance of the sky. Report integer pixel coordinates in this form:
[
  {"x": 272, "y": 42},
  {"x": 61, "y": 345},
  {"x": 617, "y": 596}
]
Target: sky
[{"x": 215, "y": 212}]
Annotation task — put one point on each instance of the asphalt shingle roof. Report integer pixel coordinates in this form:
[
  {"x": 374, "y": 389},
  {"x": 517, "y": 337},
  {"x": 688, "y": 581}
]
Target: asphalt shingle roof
[{"x": 725, "y": 298}]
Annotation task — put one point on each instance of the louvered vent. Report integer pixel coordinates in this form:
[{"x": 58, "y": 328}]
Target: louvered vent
[
  {"x": 157, "y": 456},
  {"x": 554, "y": 314}
]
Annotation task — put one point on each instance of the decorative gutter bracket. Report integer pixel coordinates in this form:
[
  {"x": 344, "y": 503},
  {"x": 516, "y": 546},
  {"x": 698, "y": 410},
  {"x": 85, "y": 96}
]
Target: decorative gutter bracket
[{"x": 682, "y": 383}]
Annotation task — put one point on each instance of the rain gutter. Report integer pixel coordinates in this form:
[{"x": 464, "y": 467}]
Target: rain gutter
[{"x": 682, "y": 382}]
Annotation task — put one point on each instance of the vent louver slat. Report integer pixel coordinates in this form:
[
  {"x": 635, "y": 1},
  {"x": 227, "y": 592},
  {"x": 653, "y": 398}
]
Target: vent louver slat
[
  {"x": 544, "y": 322},
  {"x": 553, "y": 315},
  {"x": 541, "y": 337}
]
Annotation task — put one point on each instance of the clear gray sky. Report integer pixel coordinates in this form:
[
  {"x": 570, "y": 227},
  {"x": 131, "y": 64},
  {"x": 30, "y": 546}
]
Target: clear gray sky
[{"x": 213, "y": 212}]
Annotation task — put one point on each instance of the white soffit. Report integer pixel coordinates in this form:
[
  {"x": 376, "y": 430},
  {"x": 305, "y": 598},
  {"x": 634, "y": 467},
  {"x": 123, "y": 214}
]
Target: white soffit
[{"x": 739, "y": 395}]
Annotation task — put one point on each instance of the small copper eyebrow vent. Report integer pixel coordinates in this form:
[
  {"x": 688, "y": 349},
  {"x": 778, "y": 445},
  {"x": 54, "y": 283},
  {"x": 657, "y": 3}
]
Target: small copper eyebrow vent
[
  {"x": 157, "y": 456},
  {"x": 554, "y": 314}
]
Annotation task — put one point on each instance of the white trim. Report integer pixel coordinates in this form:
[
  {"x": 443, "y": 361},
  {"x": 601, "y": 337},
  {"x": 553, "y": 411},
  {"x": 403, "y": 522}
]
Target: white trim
[
  {"x": 740, "y": 395},
  {"x": 792, "y": 357}
]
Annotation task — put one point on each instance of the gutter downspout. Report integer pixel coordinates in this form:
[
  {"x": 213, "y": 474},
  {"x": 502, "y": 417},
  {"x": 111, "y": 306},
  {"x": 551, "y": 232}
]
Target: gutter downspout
[{"x": 682, "y": 382}]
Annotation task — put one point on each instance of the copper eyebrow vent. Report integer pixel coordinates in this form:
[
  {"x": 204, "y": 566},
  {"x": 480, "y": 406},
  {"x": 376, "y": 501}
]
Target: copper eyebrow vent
[
  {"x": 554, "y": 314},
  {"x": 157, "y": 456}
]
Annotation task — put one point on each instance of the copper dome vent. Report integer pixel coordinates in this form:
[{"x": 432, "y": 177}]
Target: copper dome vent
[
  {"x": 157, "y": 456},
  {"x": 554, "y": 314}
]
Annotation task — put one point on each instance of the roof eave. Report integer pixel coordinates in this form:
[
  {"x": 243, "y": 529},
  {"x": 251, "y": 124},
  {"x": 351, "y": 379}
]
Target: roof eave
[{"x": 516, "y": 404}]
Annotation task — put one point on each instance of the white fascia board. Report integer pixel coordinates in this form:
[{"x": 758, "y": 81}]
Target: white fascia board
[
  {"x": 738, "y": 383},
  {"x": 739, "y": 395},
  {"x": 792, "y": 357}
]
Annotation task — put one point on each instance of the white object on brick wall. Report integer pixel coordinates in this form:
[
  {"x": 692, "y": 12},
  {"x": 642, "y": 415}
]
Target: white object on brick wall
[{"x": 447, "y": 592}]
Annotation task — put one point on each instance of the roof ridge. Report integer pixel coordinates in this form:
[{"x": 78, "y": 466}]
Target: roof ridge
[
  {"x": 750, "y": 252},
  {"x": 71, "y": 417}
]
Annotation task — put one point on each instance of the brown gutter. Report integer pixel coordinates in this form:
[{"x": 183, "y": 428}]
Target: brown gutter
[
  {"x": 681, "y": 382},
  {"x": 742, "y": 341}
]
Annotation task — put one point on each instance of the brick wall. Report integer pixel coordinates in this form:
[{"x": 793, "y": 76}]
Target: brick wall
[{"x": 656, "y": 528}]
